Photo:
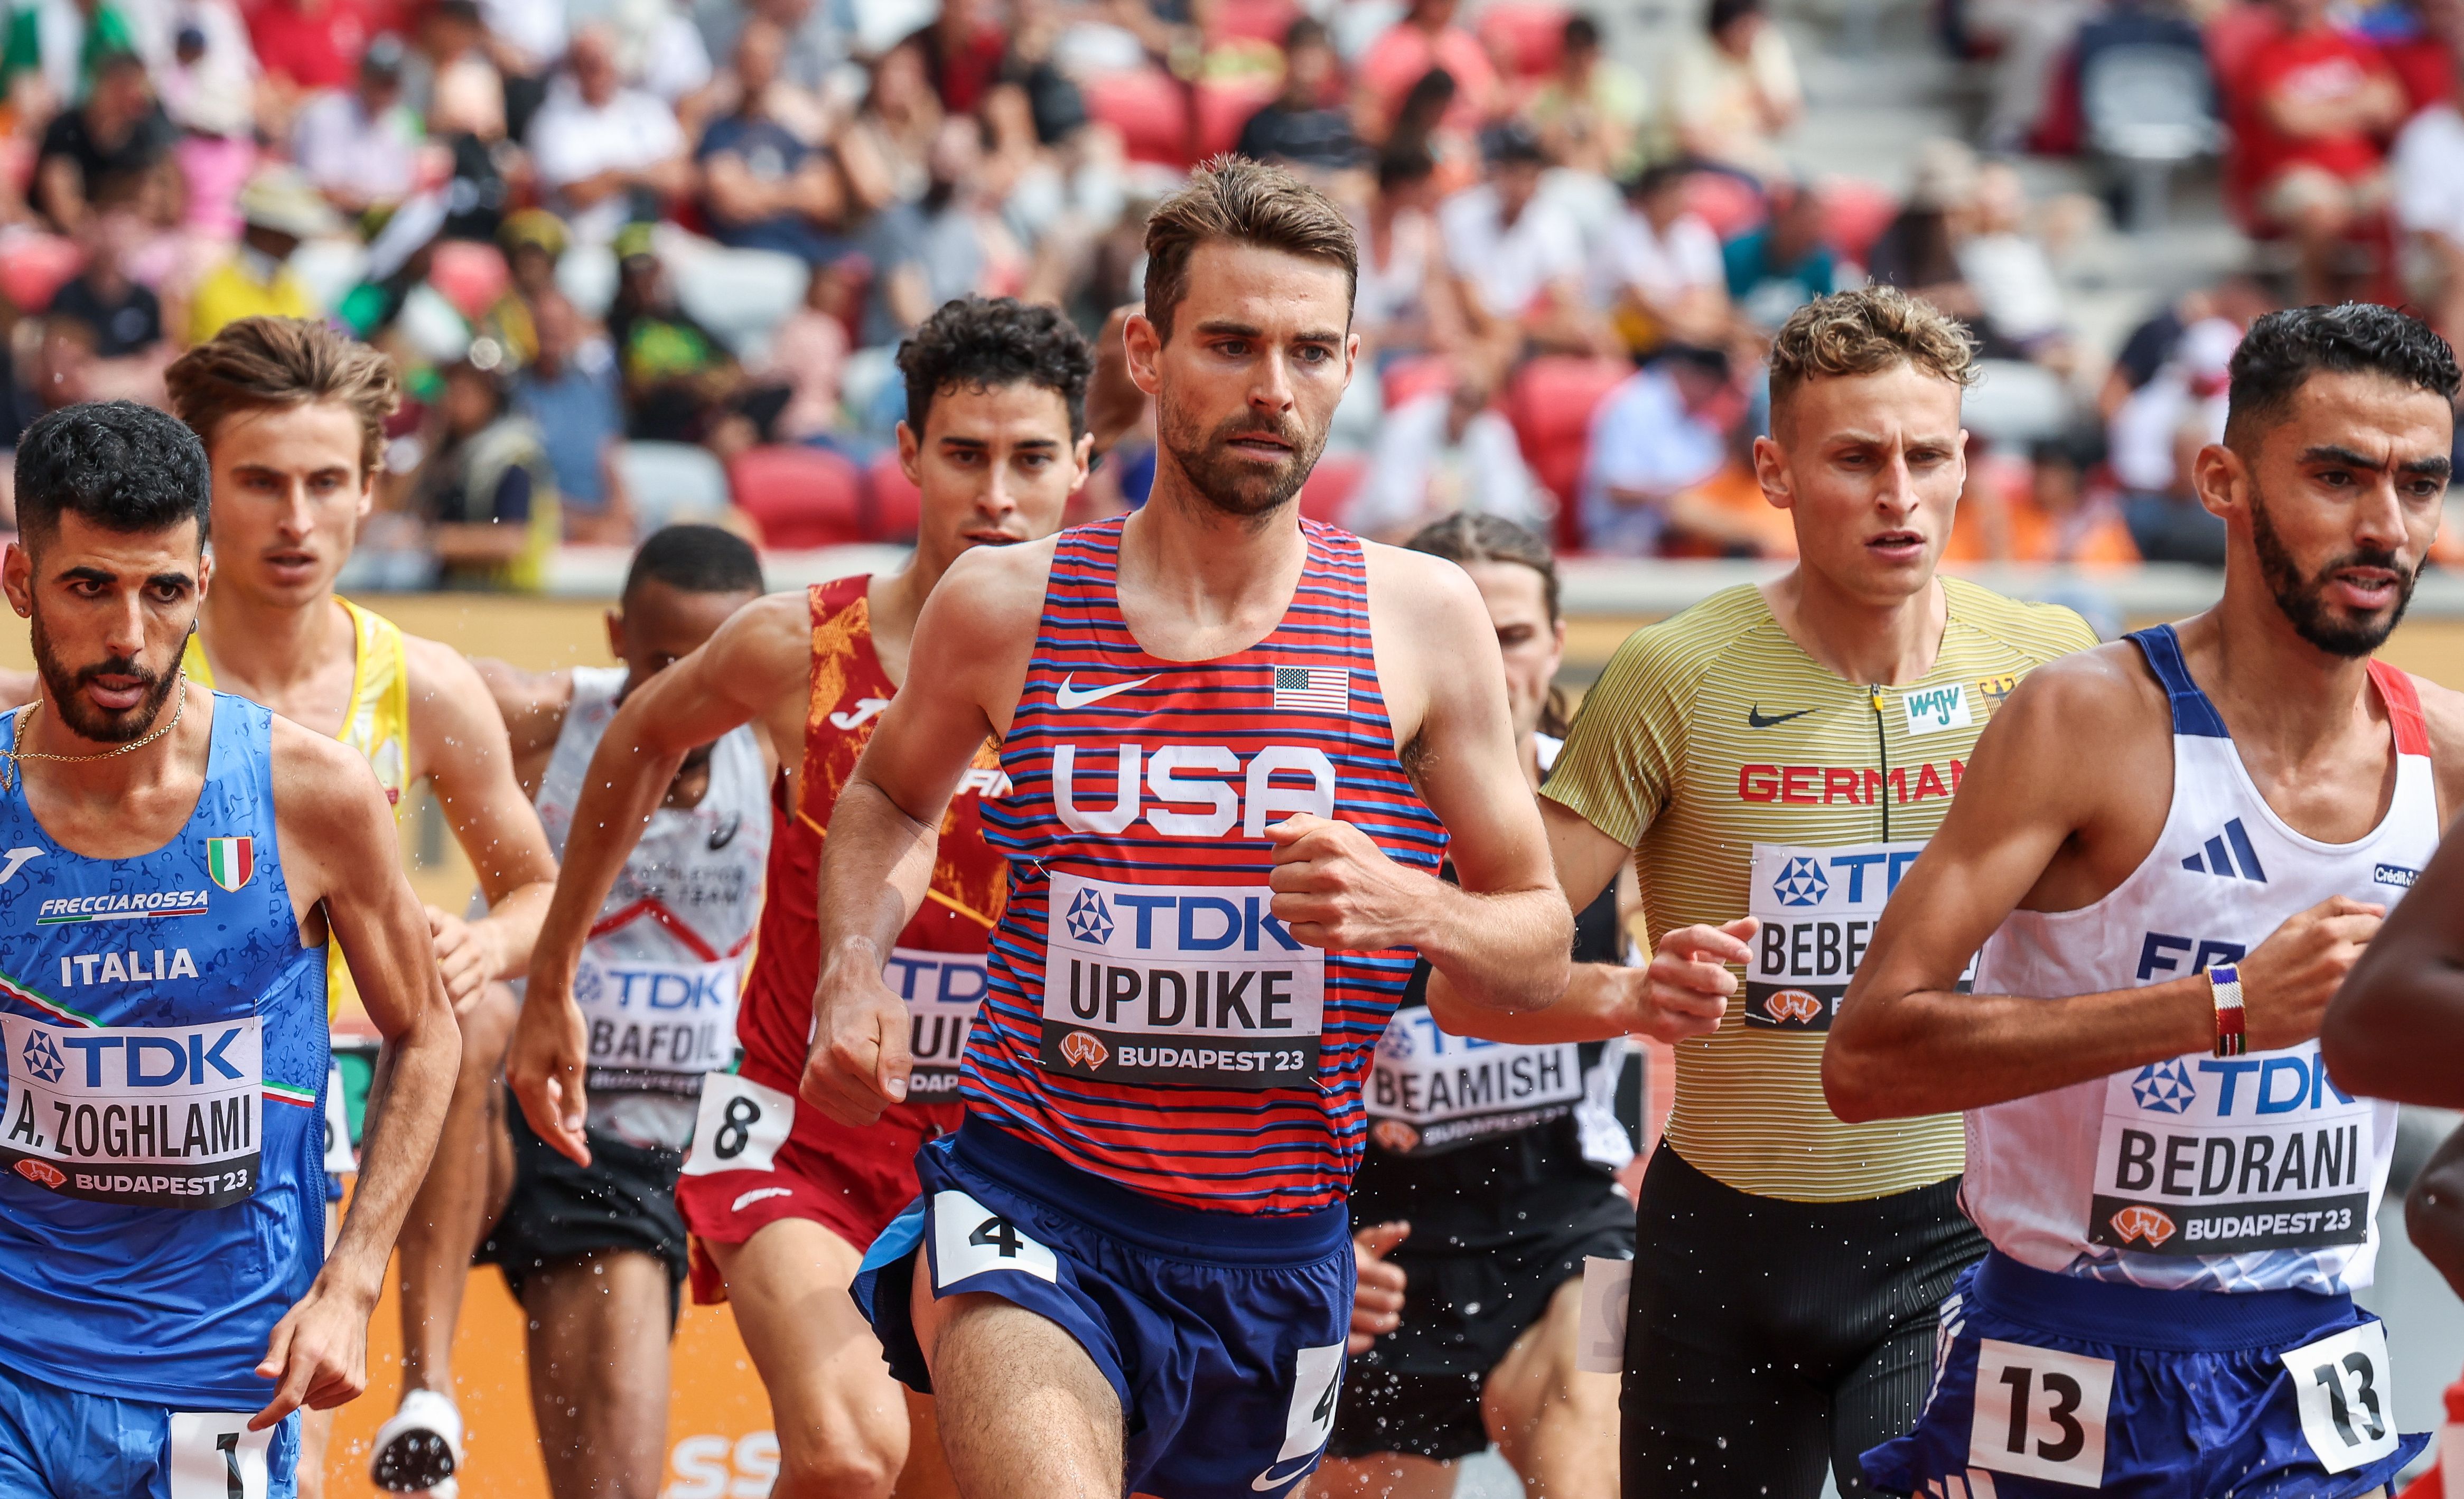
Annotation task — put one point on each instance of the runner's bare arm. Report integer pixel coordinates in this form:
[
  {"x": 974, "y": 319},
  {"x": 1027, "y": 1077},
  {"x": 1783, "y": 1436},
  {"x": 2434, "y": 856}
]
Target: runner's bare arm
[
  {"x": 457, "y": 738},
  {"x": 1499, "y": 940},
  {"x": 964, "y": 674},
  {"x": 2396, "y": 1026},
  {"x": 338, "y": 852},
  {"x": 741, "y": 675},
  {"x": 1907, "y": 1042},
  {"x": 2433, "y": 1210},
  {"x": 18, "y": 687},
  {"x": 533, "y": 705}
]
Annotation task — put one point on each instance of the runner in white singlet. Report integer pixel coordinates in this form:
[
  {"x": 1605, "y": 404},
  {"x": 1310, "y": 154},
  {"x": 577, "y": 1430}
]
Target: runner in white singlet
[{"x": 2179, "y": 1194}]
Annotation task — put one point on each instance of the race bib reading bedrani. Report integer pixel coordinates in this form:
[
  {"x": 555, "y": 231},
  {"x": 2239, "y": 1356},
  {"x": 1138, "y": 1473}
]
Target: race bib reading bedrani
[
  {"x": 2230, "y": 1155},
  {"x": 1178, "y": 984},
  {"x": 152, "y": 1117}
]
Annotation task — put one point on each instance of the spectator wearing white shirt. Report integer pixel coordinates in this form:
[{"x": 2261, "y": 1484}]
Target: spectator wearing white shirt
[
  {"x": 601, "y": 148},
  {"x": 1654, "y": 435},
  {"x": 1659, "y": 269},
  {"x": 2427, "y": 171},
  {"x": 1402, "y": 266},
  {"x": 360, "y": 145},
  {"x": 1445, "y": 452},
  {"x": 1519, "y": 255},
  {"x": 2157, "y": 434}
]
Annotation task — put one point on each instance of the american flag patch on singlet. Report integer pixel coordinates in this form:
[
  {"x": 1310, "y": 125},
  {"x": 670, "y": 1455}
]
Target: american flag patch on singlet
[{"x": 1298, "y": 687}]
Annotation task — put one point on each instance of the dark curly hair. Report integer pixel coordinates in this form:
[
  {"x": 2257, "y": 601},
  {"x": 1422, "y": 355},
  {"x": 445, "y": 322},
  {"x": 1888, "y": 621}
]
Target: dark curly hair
[
  {"x": 121, "y": 466},
  {"x": 2282, "y": 350},
  {"x": 980, "y": 342}
]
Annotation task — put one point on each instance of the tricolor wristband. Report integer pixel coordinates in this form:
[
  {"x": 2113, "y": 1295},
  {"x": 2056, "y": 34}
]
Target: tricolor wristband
[{"x": 2224, "y": 982}]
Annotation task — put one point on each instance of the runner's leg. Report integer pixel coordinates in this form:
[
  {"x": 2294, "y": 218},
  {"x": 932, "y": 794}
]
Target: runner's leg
[
  {"x": 1023, "y": 1410},
  {"x": 598, "y": 1331},
  {"x": 927, "y": 1473},
  {"x": 1556, "y": 1425},
  {"x": 842, "y": 1424},
  {"x": 471, "y": 1174},
  {"x": 1382, "y": 1475}
]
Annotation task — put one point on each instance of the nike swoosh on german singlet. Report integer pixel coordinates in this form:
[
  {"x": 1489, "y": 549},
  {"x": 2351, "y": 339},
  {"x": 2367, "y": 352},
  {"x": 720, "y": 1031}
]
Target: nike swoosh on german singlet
[
  {"x": 1754, "y": 717},
  {"x": 1067, "y": 697}
]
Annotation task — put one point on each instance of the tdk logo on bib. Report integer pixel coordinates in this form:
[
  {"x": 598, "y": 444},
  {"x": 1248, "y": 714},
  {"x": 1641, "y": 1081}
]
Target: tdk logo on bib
[
  {"x": 1818, "y": 907},
  {"x": 1181, "y": 983}
]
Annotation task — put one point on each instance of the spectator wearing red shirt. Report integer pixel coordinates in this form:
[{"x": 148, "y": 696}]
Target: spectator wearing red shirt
[
  {"x": 1427, "y": 37},
  {"x": 2313, "y": 103},
  {"x": 305, "y": 47}
]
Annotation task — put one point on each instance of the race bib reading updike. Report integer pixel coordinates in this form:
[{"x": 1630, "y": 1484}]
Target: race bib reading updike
[
  {"x": 674, "y": 1019},
  {"x": 2229, "y": 1154},
  {"x": 941, "y": 991},
  {"x": 1178, "y": 984},
  {"x": 1429, "y": 1092},
  {"x": 152, "y": 1117},
  {"x": 1818, "y": 907}
]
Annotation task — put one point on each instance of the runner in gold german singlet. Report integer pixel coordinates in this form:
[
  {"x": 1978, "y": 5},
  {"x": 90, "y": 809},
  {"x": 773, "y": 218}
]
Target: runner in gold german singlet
[
  {"x": 1774, "y": 758},
  {"x": 291, "y": 415}
]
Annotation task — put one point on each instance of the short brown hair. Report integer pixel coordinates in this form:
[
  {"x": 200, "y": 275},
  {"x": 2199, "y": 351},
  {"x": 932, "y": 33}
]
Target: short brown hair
[
  {"x": 1249, "y": 203},
  {"x": 261, "y": 362},
  {"x": 1863, "y": 333}
]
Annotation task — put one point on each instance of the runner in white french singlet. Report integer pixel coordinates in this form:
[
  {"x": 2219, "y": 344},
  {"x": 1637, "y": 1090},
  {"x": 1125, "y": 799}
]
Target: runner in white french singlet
[{"x": 2249, "y": 1173}]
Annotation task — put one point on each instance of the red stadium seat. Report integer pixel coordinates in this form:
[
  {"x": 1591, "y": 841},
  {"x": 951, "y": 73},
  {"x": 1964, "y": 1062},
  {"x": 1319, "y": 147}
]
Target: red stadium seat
[
  {"x": 1250, "y": 20},
  {"x": 895, "y": 508},
  {"x": 1149, "y": 109},
  {"x": 1551, "y": 402},
  {"x": 35, "y": 268},
  {"x": 1526, "y": 38},
  {"x": 798, "y": 497},
  {"x": 1224, "y": 105},
  {"x": 1410, "y": 379},
  {"x": 1854, "y": 213},
  {"x": 1329, "y": 487},
  {"x": 1729, "y": 204}
]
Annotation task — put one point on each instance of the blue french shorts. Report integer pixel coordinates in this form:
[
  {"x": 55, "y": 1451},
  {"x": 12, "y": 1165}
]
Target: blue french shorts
[
  {"x": 1223, "y": 1334},
  {"x": 2045, "y": 1385},
  {"x": 62, "y": 1444}
]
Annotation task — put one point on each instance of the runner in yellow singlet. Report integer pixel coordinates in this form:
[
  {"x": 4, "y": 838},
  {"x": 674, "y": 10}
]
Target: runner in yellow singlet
[
  {"x": 1772, "y": 759},
  {"x": 291, "y": 415}
]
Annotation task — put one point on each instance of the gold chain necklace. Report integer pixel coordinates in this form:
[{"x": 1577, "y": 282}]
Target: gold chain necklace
[{"x": 13, "y": 756}]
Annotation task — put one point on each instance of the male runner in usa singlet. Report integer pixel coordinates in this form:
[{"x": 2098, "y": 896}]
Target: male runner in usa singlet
[
  {"x": 596, "y": 1253},
  {"x": 177, "y": 863},
  {"x": 292, "y": 417},
  {"x": 782, "y": 1200},
  {"x": 1239, "y": 745},
  {"x": 2170, "y": 851}
]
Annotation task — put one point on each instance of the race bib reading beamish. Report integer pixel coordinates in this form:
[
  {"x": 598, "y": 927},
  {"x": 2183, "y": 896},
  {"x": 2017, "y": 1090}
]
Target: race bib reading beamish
[
  {"x": 658, "y": 1024},
  {"x": 941, "y": 991},
  {"x": 2230, "y": 1155},
  {"x": 1430, "y": 1091},
  {"x": 152, "y": 1117},
  {"x": 1178, "y": 984}
]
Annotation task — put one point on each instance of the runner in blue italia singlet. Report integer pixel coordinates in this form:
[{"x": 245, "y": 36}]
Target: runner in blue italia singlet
[{"x": 164, "y": 1198}]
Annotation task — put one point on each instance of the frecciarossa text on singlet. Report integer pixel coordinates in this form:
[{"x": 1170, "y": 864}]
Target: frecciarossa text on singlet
[
  {"x": 937, "y": 964},
  {"x": 163, "y": 1032},
  {"x": 2249, "y": 1173},
  {"x": 1149, "y": 1019}
]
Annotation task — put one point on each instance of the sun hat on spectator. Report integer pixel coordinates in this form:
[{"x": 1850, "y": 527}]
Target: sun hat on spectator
[
  {"x": 279, "y": 198},
  {"x": 533, "y": 228},
  {"x": 634, "y": 242}
]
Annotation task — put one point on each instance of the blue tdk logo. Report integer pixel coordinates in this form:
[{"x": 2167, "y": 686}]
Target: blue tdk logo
[
  {"x": 2240, "y": 862},
  {"x": 1089, "y": 919}
]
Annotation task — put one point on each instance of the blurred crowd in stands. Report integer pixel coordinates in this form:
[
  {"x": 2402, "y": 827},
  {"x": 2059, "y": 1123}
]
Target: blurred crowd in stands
[{"x": 649, "y": 261}]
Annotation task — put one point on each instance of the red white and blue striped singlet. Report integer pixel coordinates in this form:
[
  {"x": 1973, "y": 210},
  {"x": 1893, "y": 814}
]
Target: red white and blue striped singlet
[{"x": 1148, "y": 1020}]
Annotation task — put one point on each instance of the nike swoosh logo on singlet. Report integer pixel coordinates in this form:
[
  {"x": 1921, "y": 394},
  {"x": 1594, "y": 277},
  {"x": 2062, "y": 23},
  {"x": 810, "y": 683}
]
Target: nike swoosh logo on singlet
[
  {"x": 1754, "y": 717},
  {"x": 1066, "y": 697}
]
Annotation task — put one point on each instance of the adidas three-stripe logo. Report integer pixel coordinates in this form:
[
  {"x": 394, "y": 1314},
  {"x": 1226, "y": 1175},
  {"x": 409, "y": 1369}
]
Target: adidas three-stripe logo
[{"x": 2239, "y": 862}]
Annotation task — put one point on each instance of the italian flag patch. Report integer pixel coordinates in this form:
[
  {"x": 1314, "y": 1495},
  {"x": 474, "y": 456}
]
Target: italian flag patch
[{"x": 229, "y": 861}]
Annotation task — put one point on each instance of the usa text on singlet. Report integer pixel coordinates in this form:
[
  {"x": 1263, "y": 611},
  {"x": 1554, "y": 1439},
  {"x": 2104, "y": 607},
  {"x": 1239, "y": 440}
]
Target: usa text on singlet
[
  {"x": 163, "y": 1035},
  {"x": 2251, "y": 1172},
  {"x": 1150, "y": 1020}
]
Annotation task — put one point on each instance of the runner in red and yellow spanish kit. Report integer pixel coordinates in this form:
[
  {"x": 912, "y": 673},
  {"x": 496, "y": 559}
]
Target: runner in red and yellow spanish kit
[
  {"x": 1772, "y": 759},
  {"x": 1239, "y": 745},
  {"x": 781, "y": 1197}
]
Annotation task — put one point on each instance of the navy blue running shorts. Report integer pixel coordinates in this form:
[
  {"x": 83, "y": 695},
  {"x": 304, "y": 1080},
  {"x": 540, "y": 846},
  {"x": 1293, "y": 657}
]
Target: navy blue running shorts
[
  {"x": 2050, "y": 1385},
  {"x": 1223, "y": 1334},
  {"x": 63, "y": 1443}
]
